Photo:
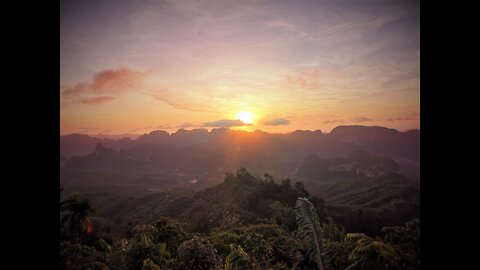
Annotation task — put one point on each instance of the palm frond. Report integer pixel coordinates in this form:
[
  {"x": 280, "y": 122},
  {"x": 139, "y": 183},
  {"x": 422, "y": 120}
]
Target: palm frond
[{"x": 309, "y": 224}]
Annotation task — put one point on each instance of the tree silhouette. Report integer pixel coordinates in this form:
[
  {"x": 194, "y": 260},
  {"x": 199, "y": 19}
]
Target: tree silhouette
[{"x": 76, "y": 219}]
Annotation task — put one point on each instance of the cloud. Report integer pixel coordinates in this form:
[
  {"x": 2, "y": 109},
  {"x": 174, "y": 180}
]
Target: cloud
[
  {"x": 276, "y": 122},
  {"x": 362, "y": 119},
  {"x": 398, "y": 119},
  {"x": 164, "y": 126},
  {"x": 333, "y": 121},
  {"x": 141, "y": 129},
  {"x": 190, "y": 106},
  {"x": 354, "y": 119},
  {"x": 96, "y": 100},
  {"x": 305, "y": 79},
  {"x": 111, "y": 81},
  {"x": 87, "y": 128},
  {"x": 188, "y": 125},
  {"x": 225, "y": 123}
]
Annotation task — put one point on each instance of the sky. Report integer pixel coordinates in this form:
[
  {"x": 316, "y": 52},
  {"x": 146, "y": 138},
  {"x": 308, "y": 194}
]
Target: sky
[{"x": 278, "y": 66}]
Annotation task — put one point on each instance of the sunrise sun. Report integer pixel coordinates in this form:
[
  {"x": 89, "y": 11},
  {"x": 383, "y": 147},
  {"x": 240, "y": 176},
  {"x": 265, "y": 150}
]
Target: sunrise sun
[{"x": 246, "y": 117}]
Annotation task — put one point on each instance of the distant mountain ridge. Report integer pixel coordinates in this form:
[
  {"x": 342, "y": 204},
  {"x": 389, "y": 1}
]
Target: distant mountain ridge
[{"x": 341, "y": 141}]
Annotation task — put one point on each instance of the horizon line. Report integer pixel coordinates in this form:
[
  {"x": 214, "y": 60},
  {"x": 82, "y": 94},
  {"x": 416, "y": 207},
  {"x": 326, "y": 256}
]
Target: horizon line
[{"x": 227, "y": 128}]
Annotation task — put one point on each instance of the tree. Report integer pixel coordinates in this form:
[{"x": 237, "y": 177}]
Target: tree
[
  {"x": 76, "y": 256},
  {"x": 197, "y": 254},
  {"x": 332, "y": 232},
  {"x": 370, "y": 254},
  {"x": 300, "y": 189},
  {"x": 76, "y": 219},
  {"x": 138, "y": 252},
  {"x": 309, "y": 226},
  {"x": 169, "y": 231},
  {"x": 238, "y": 259},
  {"x": 149, "y": 265},
  {"x": 406, "y": 240}
]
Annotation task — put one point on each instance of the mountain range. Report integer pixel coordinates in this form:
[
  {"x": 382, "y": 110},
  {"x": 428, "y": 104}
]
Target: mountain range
[
  {"x": 364, "y": 177},
  {"x": 341, "y": 141}
]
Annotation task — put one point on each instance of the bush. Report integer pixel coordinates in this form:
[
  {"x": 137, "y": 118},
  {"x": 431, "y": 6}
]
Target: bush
[
  {"x": 80, "y": 257},
  {"x": 196, "y": 254},
  {"x": 170, "y": 232},
  {"x": 238, "y": 259}
]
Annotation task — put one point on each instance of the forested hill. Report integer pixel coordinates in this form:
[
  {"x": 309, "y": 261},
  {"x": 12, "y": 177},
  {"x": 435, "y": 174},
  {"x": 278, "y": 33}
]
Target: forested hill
[{"x": 255, "y": 214}]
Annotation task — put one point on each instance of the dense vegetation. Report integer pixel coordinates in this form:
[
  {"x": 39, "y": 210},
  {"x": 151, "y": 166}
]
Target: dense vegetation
[{"x": 246, "y": 222}]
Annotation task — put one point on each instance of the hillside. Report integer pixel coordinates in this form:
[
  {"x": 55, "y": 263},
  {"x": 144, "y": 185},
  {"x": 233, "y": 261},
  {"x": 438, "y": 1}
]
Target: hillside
[{"x": 247, "y": 199}]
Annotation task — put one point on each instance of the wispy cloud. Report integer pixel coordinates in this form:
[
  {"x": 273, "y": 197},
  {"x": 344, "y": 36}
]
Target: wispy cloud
[
  {"x": 164, "y": 126},
  {"x": 307, "y": 79},
  {"x": 276, "y": 122},
  {"x": 179, "y": 103},
  {"x": 141, "y": 129},
  {"x": 96, "y": 100},
  {"x": 333, "y": 121},
  {"x": 188, "y": 125},
  {"x": 359, "y": 119},
  {"x": 225, "y": 123},
  {"x": 362, "y": 119},
  {"x": 398, "y": 119},
  {"x": 87, "y": 128}
]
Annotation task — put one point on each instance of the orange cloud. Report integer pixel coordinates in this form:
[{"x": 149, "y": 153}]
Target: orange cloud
[
  {"x": 112, "y": 82},
  {"x": 96, "y": 100},
  {"x": 118, "y": 80}
]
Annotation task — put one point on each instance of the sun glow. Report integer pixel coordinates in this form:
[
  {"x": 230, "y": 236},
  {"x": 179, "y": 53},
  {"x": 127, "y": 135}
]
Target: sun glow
[{"x": 246, "y": 117}]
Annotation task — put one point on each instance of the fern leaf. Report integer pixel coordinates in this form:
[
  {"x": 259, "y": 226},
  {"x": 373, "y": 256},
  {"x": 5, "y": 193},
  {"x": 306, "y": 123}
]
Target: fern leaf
[{"x": 309, "y": 224}]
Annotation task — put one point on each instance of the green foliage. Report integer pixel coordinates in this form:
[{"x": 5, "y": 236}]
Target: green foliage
[
  {"x": 80, "y": 257},
  {"x": 238, "y": 259},
  {"x": 406, "y": 240},
  {"x": 331, "y": 232},
  {"x": 266, "y": 244},
  {"x": 336, "y": 255},
  {"x": 132, "y": 253},
  {"x": 371, "y": 254},
  {"x": 169, "y": 231},
  {"x": 248, "y": 223},
  {"x": 310, "y": 229},
  {"x": 221, "y": 241},
  {"x": 280, "y": 266},
  {"x": 119, "y": 259},
  {"x": 197, "y": 253},
  {"x": 149, "y": 265},
  {"x": 253, "y": 199}
]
